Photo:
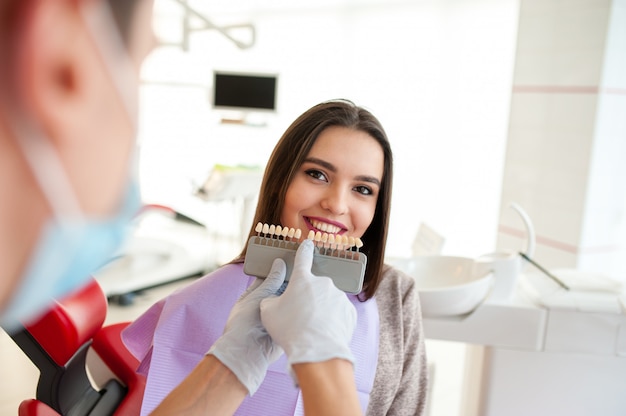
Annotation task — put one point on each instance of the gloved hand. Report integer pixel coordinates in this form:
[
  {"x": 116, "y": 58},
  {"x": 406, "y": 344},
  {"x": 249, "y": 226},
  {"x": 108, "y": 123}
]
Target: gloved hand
[
  {"x": 245, "y": 346},
  {"x": 312, "y": 320}
]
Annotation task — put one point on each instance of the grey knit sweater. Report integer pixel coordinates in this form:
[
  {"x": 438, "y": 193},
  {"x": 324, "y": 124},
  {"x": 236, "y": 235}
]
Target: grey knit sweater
[{"x": 401, "y": 380}]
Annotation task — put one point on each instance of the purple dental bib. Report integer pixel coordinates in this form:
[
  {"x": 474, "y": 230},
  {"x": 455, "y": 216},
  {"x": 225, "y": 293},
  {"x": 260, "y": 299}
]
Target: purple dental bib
[{"x": 171, "y": 337}]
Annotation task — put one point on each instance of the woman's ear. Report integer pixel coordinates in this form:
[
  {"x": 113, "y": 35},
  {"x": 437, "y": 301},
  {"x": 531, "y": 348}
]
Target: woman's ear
[{"x": 58, "y": 72}]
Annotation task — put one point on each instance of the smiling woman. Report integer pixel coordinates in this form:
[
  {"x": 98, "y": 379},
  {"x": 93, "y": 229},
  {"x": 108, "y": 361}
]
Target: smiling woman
[
  {"x": 342, "y": 131},
  {"x": 336, "y": 188},
  {"x": 331, "y": 172}
]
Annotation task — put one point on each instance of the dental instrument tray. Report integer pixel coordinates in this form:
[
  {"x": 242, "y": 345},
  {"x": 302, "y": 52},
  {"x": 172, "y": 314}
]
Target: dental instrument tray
[{"x": 335, "y": 256}]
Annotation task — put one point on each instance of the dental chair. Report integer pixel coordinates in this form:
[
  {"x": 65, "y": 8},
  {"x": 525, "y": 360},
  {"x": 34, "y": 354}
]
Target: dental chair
[{"x": 62, "y": 341}]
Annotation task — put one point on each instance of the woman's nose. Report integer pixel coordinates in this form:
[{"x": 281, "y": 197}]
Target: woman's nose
[{"x": 335, "y": 200}]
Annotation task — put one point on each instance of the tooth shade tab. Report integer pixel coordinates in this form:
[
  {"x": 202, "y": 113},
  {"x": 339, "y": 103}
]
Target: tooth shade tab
[
  {"x": 272, "y": 229},
  {"x": 298, "y": 234},
  {"x": 258, "y": 228},
  {"x": 279, "y": 230},
  {"x": 311, "y": 235},
  {"x": 358, "y": 243},
  {"x": 266, "y": 228},
  {"x": 285, "y": 232}
]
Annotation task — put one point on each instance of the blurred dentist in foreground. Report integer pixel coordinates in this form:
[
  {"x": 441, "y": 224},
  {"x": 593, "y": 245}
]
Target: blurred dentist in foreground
[{"x": 68, "y": 114}]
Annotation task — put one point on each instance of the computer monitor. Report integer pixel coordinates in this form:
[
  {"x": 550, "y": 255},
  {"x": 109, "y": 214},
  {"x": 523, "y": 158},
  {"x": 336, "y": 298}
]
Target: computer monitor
[{"x": 244, "y": 91}]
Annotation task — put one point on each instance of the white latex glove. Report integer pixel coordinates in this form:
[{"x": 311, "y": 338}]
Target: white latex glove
[
  {"x": 312, "y": 320},
  {"x": 245, "y": 346}
]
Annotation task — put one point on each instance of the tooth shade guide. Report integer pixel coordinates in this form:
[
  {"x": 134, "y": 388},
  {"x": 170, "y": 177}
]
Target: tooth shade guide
[
  {"x": 328, "y": 244},
  {"x": 331, "y": 258}
]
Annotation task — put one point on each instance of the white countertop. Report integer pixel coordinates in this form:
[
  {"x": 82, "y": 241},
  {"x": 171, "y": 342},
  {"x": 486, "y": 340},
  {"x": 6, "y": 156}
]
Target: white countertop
[{"x": 531, "y": 323}]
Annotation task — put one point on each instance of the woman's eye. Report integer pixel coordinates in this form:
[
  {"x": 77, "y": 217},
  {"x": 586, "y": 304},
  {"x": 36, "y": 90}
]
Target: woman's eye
[
  {"x": 314, "y": 173},
  {"x": 364, "y": 190}
]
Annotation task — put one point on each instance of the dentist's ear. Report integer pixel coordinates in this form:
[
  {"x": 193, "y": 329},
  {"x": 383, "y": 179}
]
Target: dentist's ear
[
  {"x": 66, "y": 87},
  {"x": 58, "y": 71}
]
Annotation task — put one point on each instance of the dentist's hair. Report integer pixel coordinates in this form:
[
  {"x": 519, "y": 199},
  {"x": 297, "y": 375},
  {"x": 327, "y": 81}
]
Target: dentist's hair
[{"x": 291, "y": 151}]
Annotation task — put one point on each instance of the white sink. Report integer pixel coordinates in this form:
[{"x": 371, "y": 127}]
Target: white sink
[{"x": 447, "y": 285}]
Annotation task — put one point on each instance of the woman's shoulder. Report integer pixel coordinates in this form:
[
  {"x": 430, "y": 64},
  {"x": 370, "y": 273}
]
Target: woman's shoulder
[
  {"x": 397, "y": 299},
  {"x": 397, "y": 288},
  {"x": 395, "y": 280}
]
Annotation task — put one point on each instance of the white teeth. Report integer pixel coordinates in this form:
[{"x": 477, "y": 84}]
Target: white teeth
[{"x": 325, "y": 227}]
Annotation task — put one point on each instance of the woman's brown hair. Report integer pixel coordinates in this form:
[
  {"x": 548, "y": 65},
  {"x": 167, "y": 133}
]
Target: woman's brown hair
[{"x": 289, "y": 154}]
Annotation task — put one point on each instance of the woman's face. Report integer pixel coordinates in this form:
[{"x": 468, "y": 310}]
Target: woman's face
[{"x": 336, "y": 188}]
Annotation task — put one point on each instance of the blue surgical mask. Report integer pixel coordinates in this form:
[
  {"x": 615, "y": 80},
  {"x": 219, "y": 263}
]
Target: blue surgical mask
[
  {"x": 71, "y": 245},
  {"x": 68, "y": 251}
]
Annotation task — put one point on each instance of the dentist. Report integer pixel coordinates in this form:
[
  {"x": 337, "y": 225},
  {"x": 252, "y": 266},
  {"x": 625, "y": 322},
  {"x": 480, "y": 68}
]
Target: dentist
[{"x": 69, "y": 76}]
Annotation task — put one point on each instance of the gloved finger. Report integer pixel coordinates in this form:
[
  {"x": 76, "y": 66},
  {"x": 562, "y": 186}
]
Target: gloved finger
[
  {"x": 257, "y": 282},
  {"x": 269, "y": 286},
  {"x": 275, "y": 278},
  {"x": 304, "y": 259}
]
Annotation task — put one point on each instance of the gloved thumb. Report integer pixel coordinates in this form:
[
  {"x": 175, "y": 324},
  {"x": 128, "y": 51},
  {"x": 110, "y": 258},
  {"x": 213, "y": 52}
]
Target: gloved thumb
[
  {"x": 274, "y": 279},
  {"x": 304, "y": 259},
  {"x": 262, "y": 288}
]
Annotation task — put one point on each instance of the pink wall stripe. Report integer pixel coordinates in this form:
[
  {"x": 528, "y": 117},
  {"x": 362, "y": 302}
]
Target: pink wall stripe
[
  {"x": 552, "y": 89},
  {"x": 567, "y": 89},
  {"x": 559, "y": 245}
]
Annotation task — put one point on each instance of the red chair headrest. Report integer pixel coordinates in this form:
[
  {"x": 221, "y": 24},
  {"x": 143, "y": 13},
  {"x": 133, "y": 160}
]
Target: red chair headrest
[{"x": 71, "y": 322}]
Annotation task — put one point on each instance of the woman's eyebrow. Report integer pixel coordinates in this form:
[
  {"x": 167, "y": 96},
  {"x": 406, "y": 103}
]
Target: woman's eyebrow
[
  {"x": 369, "y": 179},
  {"x": 322, "y": 163},
  {"x": 332, "y": 168}
]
